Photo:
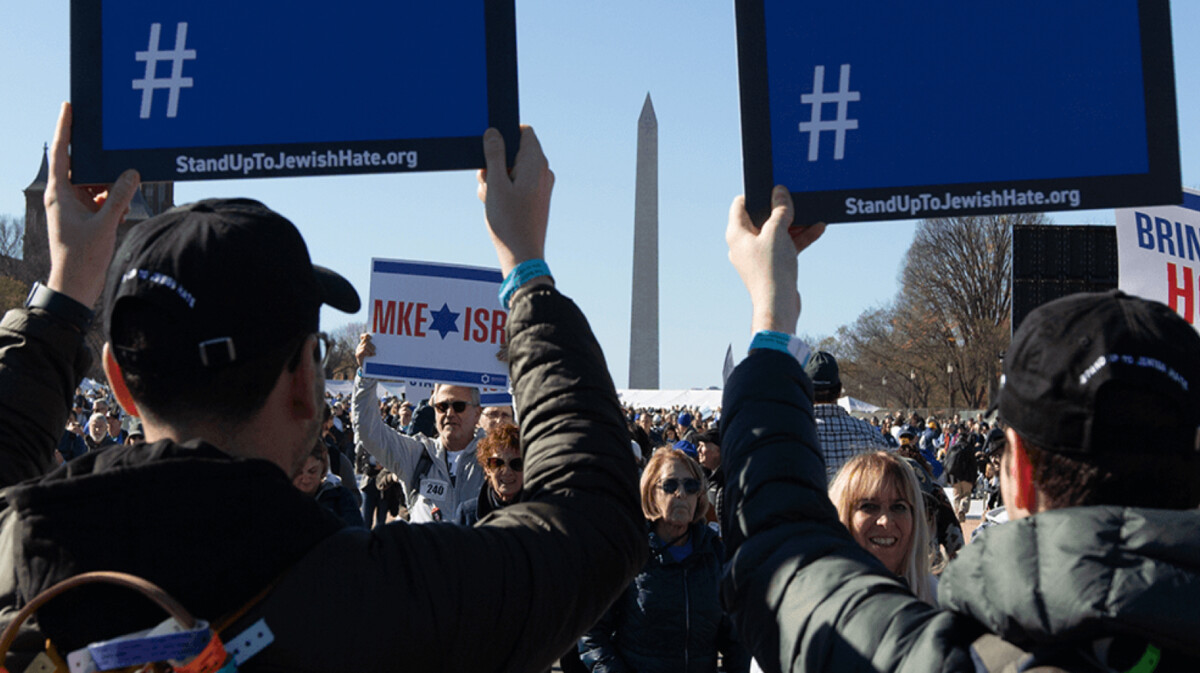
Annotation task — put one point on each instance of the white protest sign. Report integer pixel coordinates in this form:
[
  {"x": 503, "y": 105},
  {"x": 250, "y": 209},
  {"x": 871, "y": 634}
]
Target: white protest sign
[
  {"x": 436, "y": 323},
  {"x": 1159, "y": 254},
  {"x": 495, "y": 397}
]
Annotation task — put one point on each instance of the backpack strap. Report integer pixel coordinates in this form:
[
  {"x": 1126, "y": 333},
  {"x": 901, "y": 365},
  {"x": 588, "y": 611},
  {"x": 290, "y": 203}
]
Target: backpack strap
[{"x": 424, "y": 464}]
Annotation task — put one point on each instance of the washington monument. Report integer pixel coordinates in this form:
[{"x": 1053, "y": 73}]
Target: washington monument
[{"x": 643, "y": 324}]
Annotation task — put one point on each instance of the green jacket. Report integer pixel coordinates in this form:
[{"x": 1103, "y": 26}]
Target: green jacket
[{"x": 805, "y": 597}]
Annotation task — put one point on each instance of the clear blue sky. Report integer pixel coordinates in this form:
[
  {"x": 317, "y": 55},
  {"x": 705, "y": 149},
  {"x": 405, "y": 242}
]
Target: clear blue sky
[{"x": 585, "y": 69}]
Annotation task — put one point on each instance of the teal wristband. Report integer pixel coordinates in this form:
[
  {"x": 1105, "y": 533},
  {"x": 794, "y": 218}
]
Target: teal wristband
[
  {"x": 521, "y": 274},
  {"x": 778, "y": 341}
]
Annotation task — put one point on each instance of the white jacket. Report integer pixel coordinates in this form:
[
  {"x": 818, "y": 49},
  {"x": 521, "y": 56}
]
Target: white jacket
[{"x": 399, "y": 454}]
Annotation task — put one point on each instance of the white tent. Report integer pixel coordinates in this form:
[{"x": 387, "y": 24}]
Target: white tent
[
  {"x": 695, "y": 399},
  {"x": 853, "y": 405}
]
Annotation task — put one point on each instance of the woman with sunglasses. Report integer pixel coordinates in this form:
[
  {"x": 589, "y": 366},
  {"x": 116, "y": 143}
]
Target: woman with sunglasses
[
  {"x": 669, "y": 618},
  {"x": 499, "y": 454}
]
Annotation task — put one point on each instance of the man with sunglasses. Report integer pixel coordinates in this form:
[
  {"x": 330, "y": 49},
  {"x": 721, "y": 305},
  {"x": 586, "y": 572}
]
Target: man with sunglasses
[
  {"x": 212, "y": 340},
  {"x": 438, "y": 475}
]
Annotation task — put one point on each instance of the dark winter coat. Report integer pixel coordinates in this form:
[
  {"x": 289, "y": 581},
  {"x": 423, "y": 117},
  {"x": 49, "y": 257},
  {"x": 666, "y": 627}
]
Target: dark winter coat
[
  {"x": 806, "y": 597},
  {"x": 215, "y": 531},
  {"x": 71, "y": 445},
  {"x": 473, "y": 511},
  {"x": 669, "y": 620},
  {"x": 961, "y": 464},
  {"x": 339, "y": 500}
]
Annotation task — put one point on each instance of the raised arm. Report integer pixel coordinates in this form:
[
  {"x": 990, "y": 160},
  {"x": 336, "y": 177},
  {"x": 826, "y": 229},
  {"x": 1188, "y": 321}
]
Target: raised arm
[
  {"x": 578, "y": 530},
  {"x": 396, "y": 452},
  {"x": 518, "y": 589},
  {"x": 803, "y": 595},
  {"x": 42, "y": 356}
]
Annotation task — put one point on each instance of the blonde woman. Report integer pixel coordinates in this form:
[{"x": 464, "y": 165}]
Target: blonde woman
[{"x": 879, "y": 500}]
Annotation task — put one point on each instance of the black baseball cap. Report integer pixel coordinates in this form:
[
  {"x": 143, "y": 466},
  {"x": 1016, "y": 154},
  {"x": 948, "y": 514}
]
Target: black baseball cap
[
  {"x": 822, "y": 368},
  {"x": 1096, "y": 373},
  {"x": 227, "y": 279}
]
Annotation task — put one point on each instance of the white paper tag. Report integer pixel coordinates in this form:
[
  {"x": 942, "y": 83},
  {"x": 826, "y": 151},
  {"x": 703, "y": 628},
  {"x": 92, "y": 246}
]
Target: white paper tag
[
  {"x": 250, "y": 642},
  {"x": 435, "y": 489}
]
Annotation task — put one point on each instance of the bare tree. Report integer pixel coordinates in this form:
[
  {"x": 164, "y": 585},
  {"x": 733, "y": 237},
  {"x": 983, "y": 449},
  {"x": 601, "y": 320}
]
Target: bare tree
[
  {"x": 937, "y": 342},
  {"x": 12, "y": 237},
  {"x": 887, "y": 351},
  {"x": 13, "y": 285},
  {"x": 341, "y": 363},
  {"x": 959, "y": 276}
]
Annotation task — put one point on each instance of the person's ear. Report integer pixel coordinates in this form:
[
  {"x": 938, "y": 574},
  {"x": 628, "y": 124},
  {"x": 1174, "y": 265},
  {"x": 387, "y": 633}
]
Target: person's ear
[
  {"x": 302, "y": 402},
  {"x": 116, "y": 379},
  {"x": 1026, "y": 496}
]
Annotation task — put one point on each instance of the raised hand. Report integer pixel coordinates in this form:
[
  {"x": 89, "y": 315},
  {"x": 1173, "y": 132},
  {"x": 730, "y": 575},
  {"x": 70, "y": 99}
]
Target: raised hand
[
  {"x": 81, "y": 221},
  {"x": 517, "y": 202},
  {"x": 765, "y": 258}
]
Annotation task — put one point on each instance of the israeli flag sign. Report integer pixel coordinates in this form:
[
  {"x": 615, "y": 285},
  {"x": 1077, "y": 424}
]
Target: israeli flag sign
[
  {"x": 231, "y": 89},
  {"x": 436, "y": 322},
  {"x": 879, "y": 110}
]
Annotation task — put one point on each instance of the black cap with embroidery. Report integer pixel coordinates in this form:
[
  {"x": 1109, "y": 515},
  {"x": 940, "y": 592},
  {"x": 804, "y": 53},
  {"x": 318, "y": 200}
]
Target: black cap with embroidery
[
  {"x": 227, "y": 279},
  {"x": 822, "y": 368},
  {"x": 1096, "y": 373}
]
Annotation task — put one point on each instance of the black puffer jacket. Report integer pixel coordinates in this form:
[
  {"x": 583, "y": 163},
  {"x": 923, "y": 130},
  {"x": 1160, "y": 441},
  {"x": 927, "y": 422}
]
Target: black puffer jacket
[
  {"x": 518, "y": 590},
  {"x": 806, "y": 597},
  {"x": 669, "y": 619}
]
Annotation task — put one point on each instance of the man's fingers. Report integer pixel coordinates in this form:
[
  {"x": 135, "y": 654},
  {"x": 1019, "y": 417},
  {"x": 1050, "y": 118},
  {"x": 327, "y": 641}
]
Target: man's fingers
[
  {"x": 493, "y": 152},
  {"x": 802, "y": 237},
  {"x": 530, "y": 160},
  {"x": 781, "y": 208},
  {"x": 120, "y": 194},
  {"x": 739, "y": 221},
  {"x": 481, "y": 189},
  {"x": 60, "y": 159}
]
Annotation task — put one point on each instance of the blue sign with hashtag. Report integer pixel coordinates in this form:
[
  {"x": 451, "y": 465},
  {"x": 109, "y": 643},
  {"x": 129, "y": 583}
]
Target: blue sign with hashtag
[
  {"x": 872, "y": 111},
  {"x": 228, "y": 88}
]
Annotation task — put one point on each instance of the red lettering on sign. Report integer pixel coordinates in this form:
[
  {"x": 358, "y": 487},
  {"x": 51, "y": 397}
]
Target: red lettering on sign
[
  {"x": 467, "y": 324},
  {"x": 1177, "y": 291},
  {"x": 498, "y": 320},
  {"x": 403, "y": 327},
  {"x": 384, "y": 319},
  {"x": 479, "y": 332},
  {"x": 421, "y": 319}
]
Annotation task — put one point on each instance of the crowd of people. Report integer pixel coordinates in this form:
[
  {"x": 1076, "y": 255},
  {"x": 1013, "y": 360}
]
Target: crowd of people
[{"x": 777, "y": 532}]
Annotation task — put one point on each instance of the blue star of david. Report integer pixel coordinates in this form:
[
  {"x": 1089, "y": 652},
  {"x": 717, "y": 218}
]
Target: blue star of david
[{"x": 445, "y": 321}]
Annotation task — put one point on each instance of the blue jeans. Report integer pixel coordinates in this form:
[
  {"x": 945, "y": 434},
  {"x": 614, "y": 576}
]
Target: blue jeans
[{"x": 372, "y": 506}]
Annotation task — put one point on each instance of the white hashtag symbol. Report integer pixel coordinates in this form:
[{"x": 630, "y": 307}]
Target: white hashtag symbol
[
  {"x": 176, "y": 81},
  {"x": 843, "y": 97}
]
